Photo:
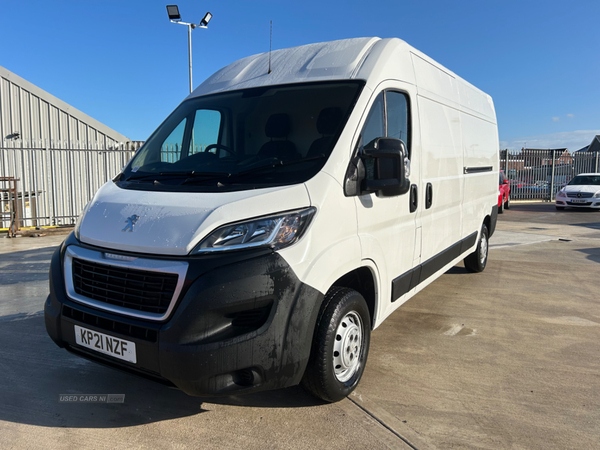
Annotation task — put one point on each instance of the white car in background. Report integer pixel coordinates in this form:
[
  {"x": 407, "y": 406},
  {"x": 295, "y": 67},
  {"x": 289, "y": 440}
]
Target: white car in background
[{"x": 583, "y": 191}]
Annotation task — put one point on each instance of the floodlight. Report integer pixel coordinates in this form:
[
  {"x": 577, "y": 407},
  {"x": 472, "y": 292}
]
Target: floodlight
[
  {"x": 206, "y": 19},
  {"x": 175, "y": 17},
  {"x": 173, "y": 11}
]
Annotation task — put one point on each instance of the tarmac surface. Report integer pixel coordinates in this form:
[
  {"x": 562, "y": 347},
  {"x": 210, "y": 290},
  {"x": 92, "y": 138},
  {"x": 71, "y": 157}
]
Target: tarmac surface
[{"x": 508, "y": 358}]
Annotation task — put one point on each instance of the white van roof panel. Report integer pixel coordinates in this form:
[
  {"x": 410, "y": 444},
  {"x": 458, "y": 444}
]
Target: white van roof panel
[
  {"x": 370, "y": 59},
  {"x": 335, "y": 60}
]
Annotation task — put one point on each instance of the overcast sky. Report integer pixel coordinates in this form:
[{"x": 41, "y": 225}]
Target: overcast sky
[{"x": 125, "y": 64}]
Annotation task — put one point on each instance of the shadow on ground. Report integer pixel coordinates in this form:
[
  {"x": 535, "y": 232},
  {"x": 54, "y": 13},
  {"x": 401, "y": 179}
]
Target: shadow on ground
[
  {"x": 35, "y": 372},
  {"x": 593, "y": 253},
  {"x": 25, "y": 266}
]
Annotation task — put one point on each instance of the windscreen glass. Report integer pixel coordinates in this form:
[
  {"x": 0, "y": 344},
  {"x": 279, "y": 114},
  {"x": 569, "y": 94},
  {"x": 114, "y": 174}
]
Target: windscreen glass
[
  {"x": 245, "y": 139},
  {"x": 582, "y": 180}
]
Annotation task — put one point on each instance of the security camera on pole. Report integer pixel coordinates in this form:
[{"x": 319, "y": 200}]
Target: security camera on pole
[{"x": 175, "y": 17}]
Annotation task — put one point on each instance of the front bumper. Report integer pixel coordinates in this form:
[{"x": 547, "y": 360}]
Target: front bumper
[
  {"x": 567, "y": 202},
  {"x": 243, "y": 322}
]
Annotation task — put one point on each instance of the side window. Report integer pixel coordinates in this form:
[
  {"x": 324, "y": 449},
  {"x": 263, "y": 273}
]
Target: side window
[
  {"x": 389, "y": 117},
  {"x": 170, "y": 150},
  {"x": 375, "y": 125},
  {"x": 397, "y": 117},
  {"x": 207, "y": 123}
]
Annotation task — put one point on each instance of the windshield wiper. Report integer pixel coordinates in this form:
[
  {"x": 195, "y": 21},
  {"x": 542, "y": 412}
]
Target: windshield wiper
[
  {"x": 174, "y": 174},
  {"x": 206, "y": 176},
  {"x": 276, "y": 165}
]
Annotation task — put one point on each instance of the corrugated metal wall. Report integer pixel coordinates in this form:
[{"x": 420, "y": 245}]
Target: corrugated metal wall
[
  {"x": 59, "y": 155},
  {"x": 44, "y": 121}
]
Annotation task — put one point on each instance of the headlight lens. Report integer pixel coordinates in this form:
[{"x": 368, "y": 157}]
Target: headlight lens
[
  {"x": 561, "y": 194},
  {"x": 597, "y": 194},
  {"x": 275, "y": 231}
]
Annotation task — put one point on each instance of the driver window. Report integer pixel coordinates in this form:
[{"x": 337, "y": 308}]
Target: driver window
[
  {"x": 397, "y": 117},
  {"x": 387, "y": 118},
  {"x": 375, "y": 125},
  {"x": 207, "y": 123}
]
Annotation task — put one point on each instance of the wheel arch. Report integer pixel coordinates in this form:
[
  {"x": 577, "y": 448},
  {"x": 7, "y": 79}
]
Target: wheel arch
[{"x": 363, "y": 279}]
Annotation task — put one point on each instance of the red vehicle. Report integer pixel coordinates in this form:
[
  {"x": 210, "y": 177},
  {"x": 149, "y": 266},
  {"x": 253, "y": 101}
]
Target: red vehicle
[{"x": 504, "y": 194}]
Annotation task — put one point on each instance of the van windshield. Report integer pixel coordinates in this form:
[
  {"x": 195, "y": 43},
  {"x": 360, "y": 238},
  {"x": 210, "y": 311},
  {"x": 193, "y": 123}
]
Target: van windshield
[{"x": 259, "y": 137}]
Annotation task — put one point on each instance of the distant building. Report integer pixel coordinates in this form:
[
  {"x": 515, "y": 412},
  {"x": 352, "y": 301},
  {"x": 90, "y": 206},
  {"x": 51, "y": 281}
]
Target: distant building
[
  {"x": 535, "y": 157},
  {"x": 31, "y": 117},
  {"x": 593, "y": 147}
]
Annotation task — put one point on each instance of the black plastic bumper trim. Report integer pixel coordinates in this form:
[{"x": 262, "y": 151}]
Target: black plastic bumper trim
[{"x": 405, "y": 282}]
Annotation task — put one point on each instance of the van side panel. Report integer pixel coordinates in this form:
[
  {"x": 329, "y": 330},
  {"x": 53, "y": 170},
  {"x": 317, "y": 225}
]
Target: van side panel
[
  {"x": 442, "y": 162},
  {"x": 480, "y": 146},
  {"x": 434, "y": 82}
]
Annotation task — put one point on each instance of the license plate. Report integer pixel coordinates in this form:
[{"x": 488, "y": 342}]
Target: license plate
[
  {"x": 106, "y": 344},
  {"x": 578, "y": 200}
]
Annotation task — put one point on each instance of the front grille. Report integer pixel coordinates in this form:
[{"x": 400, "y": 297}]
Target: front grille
[
  {"x": 579, "y": 194},
  {"x": 579, "y": 204},
  {"x": 111, "y": 326},
  {"x": 139, "y": 290}
]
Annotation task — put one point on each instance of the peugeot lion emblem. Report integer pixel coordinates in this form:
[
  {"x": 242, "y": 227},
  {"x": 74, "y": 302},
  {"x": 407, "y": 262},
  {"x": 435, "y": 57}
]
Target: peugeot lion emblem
[{"x": 130, "y": 223}]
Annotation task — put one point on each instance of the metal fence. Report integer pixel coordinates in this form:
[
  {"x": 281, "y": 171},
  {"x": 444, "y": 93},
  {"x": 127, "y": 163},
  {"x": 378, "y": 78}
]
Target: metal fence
[
  {"x": 540, "y": 174},
  {"x": 57, "y": 179},
  {"x": 55, "y": 184}
]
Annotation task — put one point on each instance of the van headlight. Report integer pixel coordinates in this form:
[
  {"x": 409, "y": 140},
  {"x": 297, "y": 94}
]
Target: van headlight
[{"x": 276, "y": 231}]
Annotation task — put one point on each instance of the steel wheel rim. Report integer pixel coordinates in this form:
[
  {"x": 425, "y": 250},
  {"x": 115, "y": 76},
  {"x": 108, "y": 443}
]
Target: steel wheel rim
[
  {"x": 483, "y": 249},
  {"x": 347, "y": 346}
]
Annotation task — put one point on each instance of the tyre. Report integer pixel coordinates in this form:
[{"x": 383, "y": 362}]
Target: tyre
[
  {"x": 560, "y": 208},
  {"x": 507, "y": 202},
  {"x": 501, "y": 208},
  {"x": 476, "y": 261},
  {"x": 340, "y": 345}
]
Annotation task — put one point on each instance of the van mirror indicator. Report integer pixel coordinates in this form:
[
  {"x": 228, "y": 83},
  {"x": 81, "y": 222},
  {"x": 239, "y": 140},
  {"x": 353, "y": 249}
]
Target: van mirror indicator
[{"x": 385, "y": 163}]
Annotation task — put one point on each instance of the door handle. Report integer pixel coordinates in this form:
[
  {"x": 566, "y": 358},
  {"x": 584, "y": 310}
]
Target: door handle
[
  {"x": 428, "y": 196},
  {"x": 414, "y": 198}
]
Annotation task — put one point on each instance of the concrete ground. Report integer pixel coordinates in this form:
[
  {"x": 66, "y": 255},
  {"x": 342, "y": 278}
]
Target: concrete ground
[{"x": 508, "y": 358}]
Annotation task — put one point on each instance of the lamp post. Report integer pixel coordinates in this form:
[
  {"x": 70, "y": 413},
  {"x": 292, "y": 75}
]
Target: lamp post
[{"x": 175, "y": 17}]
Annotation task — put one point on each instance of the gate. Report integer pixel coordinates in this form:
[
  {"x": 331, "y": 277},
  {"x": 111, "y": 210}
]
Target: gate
[{"x": 540, "y": 174}]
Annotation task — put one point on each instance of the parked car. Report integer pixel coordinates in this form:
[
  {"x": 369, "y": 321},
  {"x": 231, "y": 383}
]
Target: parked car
[
  {"x": 504, "y": 193},
  {"x": 583, "y": 191}
]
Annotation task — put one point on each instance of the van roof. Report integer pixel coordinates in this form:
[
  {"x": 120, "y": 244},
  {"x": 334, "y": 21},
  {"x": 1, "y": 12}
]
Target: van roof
[
  {"x": 370, "y": 59},
  {"x": 335, "y": 60}
]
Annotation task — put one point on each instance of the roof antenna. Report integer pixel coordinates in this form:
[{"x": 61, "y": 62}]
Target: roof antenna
[{"x": 270, "y": 41}]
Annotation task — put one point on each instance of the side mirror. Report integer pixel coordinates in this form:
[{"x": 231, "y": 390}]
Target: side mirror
[
  {"x": 505, "y": 181},
  {"x": 385, "y": 168}
]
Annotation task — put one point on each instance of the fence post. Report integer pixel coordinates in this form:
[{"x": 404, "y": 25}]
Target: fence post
[
  {"x": 552, "y": 177},
  {"x": 506, "y": 163},
  {"x": 597, "y": 154}
]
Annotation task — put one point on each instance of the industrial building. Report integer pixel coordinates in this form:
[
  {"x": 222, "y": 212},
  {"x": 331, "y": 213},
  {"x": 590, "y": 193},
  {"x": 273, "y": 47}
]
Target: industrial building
[
  {"x": 31, "y": 117},
  {"x": 53, "y": 157}
]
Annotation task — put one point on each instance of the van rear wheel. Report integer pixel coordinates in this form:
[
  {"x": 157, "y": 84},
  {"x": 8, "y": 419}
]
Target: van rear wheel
[
  {"x": 340, "y": 345},
  {"x": 476, "y": 261}
]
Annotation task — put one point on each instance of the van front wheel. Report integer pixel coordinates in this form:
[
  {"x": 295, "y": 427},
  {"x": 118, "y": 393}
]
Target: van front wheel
[
  {"x": 340, "y": 345},
  {"x": 477, "y": 260}
]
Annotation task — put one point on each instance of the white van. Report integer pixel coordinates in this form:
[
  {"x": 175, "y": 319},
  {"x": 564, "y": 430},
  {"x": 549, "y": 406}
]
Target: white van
[{"x": 279, "y": 215}]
